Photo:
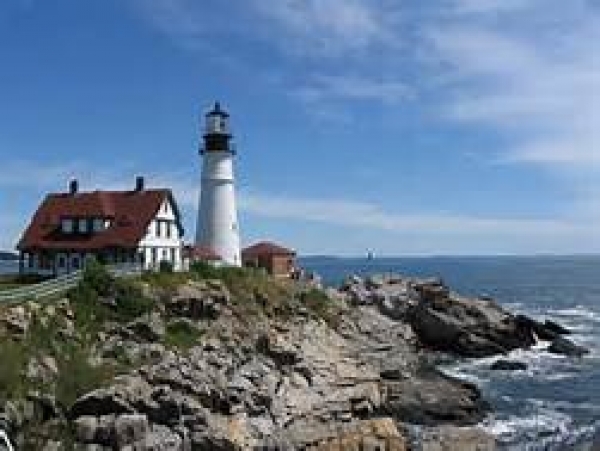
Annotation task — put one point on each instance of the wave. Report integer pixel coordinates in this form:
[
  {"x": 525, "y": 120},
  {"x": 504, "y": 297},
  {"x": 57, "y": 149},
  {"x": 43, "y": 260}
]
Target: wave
[
  {"x": 579, "y": 311},
  {"x": 545, "y": 429}
]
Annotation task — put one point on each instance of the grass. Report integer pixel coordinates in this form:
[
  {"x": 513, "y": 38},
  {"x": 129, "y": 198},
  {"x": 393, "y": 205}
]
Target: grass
[
  {"x": 181, "y": 335},
  {"x": 8, "y": 281}
]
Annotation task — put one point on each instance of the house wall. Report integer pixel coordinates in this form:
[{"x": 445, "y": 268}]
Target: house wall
[
  {"x": 282, "y": 265},
  {"x": 162, "y": 240},
  {"x": 277, "y": 265}
]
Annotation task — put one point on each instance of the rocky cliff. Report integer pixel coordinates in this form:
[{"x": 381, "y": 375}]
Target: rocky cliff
[{"x": 233, "y": 360}]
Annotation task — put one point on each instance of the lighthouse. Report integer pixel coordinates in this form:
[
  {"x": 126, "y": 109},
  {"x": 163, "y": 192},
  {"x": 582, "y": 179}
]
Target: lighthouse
[{"x": 217, "y": 227}]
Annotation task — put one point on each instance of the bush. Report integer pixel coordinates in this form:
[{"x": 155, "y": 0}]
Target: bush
[
  {"x": 321, "y": 305},
  {"x": 130, "y": 302},
  {"x": 100, "y": 297},
  {"x": 97, "y": 277},
  {"x": 165, "y": 266},
  {"x": 181, "y": 334}
]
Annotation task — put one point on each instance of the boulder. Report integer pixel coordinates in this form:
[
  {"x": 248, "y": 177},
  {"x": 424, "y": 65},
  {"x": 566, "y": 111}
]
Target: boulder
[
  {"x": 430, "y": 398},
  {"x": 566, "y": 347},
  {"x": 508, "y": 365},
  {"x": 130, "y": 428},
  {"x": 470, "y": 327},
  {"x": 556, "y": 328}
]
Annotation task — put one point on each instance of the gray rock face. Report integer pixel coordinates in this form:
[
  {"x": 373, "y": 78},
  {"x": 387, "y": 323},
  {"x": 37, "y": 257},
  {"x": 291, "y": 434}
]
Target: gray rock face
[
  {"x": 199, "y": 300},
  {"x": 566, "y": 347},
  {"x": 448, "y": 438},
  {"x": 229, "y": 394}
]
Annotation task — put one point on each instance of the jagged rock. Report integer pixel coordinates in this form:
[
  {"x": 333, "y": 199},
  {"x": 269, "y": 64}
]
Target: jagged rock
[
  {"x": 130, "y": 429},
  {"x": 508, "y": 365},
  {"x": 432, "y": 290},
  {"x": 103, "y": 401},
  {"x": 161, "y": 438},
  {"x": 16, "y": 320},
  {"x": 43, "y": 369},
  {"x": 566, "y": 347},
  {"x": 556, "y": 328},
  {"x": 85, "y": 429},
  {"x": 149, "y": 329},
  {"x": 199, "y": 300},
  {"x": 45, "y": 405},
  {"x": 448, "y": 438},
  {"x": 279, "y": 348},
  {"x": 470, "y": 327},
  {"x": 431, "y": 398}
]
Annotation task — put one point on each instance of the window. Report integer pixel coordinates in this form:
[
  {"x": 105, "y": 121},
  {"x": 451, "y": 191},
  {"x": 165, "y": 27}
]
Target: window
[
  {"x": 173, "y": 255},
  {"x": 158, "y": 228},
  {"x": 98, "y": 224},
  {"x": 61, "y": 261},
  {"x": 83, "y": 226},
  {"x": 75, "y": 262},
  {"x": 168, "y": 227},
  {"x": 66, "y": 225},
  {"x": 153, "y": 252}
]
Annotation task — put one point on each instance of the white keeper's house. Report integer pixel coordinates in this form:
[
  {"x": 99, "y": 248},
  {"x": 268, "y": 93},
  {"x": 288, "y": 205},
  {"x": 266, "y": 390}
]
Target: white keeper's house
[{"x": 139, "y": 226}]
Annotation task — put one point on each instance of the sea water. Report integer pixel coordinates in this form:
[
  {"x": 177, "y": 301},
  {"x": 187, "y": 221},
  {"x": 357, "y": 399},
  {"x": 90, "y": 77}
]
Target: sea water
[
  {"x": 9, "y": 266},
  {"x": 555, "y": 403}
]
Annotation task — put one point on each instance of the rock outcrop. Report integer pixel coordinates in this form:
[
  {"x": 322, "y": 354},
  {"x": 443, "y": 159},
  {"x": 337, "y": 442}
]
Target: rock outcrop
[
  {"x": 445, "y": 321},
  {"x": 205, "y": 371}
]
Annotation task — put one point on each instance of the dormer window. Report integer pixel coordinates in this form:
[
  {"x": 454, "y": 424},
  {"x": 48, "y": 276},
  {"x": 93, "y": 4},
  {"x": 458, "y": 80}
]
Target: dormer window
[
  {"x": 98, "y": 225},
  {"x": 83, "y": 226},
  {"x": 66, "y": 225}
]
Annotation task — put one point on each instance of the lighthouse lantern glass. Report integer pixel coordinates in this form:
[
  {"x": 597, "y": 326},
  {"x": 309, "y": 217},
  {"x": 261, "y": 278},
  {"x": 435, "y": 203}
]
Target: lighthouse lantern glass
[{"x": 216, "y": 123}]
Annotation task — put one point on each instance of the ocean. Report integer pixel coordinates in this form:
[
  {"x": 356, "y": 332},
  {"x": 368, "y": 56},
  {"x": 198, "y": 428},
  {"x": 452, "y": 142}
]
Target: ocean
[
  {"x": 555, "y": 403},
  {"x": 9, "y": 266}
]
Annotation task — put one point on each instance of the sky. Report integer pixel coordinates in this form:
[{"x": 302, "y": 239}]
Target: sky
[{"x": 454, "y": 127}]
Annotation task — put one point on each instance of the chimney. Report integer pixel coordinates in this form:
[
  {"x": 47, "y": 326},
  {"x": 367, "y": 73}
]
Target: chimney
[
  {"x": 73, "y": 187},
  {"x": 139, "y": 184}
]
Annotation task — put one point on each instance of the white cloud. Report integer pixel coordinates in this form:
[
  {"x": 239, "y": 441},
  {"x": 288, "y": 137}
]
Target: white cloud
[
  {"x": 366, "y": 215},
  {"x": 327, "y": 88},
  {"x": 332, "y": 27},
  {"x": 541, "y": 89}
]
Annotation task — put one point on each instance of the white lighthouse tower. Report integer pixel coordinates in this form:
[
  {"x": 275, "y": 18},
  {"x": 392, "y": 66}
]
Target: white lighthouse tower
[{"x": 217, "y": 227}]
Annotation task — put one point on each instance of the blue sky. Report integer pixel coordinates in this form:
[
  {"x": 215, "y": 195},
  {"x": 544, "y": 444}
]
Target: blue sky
[{"x": 406, "y": 127}]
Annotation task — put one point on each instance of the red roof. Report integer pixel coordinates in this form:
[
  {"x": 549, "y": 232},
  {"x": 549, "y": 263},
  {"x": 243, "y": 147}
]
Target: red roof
[
  {"x": 130, "y": 212},
  {"x": 201, "y": 253},
  {"x": 266, "y": 248}
]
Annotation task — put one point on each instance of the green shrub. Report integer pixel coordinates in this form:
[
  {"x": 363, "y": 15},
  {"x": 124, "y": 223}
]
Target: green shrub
[
  {"x": 321, "y": 305},
  {"x": 181, "y": 334},
  {"x": 97, "y": 277},
  {"x": 165, "y": 266},
  {"x": 130, "y": 302},
  {"x": 100, "y": 297}
]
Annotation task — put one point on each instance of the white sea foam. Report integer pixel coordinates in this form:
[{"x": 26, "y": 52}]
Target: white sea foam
[{"x": 579, "y": 311}]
